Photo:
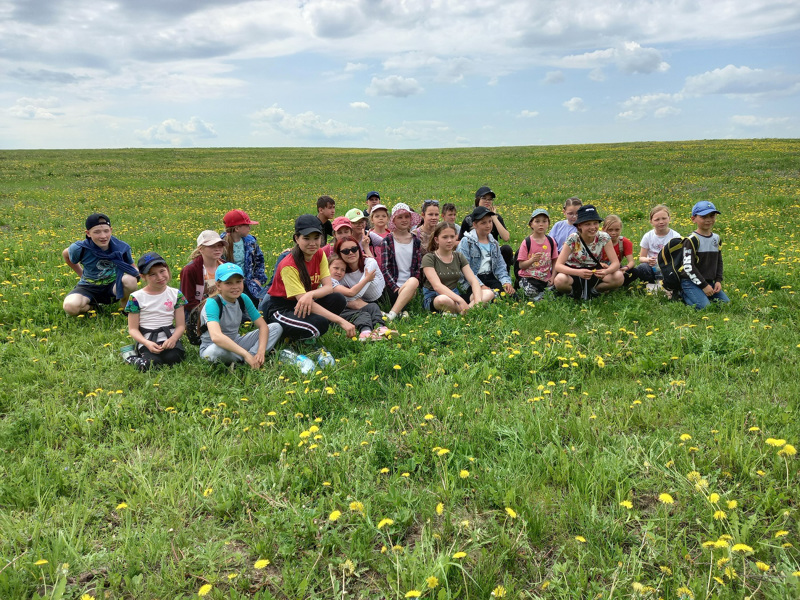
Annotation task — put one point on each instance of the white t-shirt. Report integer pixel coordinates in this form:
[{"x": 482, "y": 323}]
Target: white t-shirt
[
  {"x": 403, "y": 254},
  {"x": 373, "y": 290},
  {"x": 157, "y": 310},
  {"x": 486, "y": 259},
  {"x": 654, "y": 243}
]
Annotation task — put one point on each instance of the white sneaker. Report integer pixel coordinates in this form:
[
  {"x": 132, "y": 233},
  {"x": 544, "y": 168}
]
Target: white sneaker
[{"x": 652, "y": 288}]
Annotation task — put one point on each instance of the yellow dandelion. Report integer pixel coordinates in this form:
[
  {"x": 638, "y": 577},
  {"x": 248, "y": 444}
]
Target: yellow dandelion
[
  {"x": 665, "y": 569},
  {"x": 499, "y": 592},
  {"x": 693, "y": 476},
  {"x": 732, "y": 504},
  {"x": 40, "y": 562},
  {"x": 685, "y": 592},
  {"x": 719, "y": 515},
  {"x": 357, "y": 507},
  {"x": 463, "y": 473},
  {"x": 781, "y": 533},
  {"x": 775, "y": 442},
  {"x": 511, "y": 512},
  {"x": 754, "y": 429},
  {"x": 442, "y": 451},
  {"x": 385, "y": 523},
  {"x": 261, "y": 563},
  {"x": 203, "y": 591},
  {"x": 685, "y": 437},
  {"x": 384, "y": 470},
  {"x": 787, "y": 450},
  {"x": 626, "y": 504},
  {"x": 713, "y": 498},
  {"x": 741, "y": 548},
  {"x": 429, "y": 417},
  {"x": 581, "y": 539},
  {"x": 413, "y": 594},
  {"x": 397, "y": 367},
  {"x": 439, "y": 508},
  {"x": 458, "y": 555},
  {"x": 432, "y": 582},
  {"x": 122, "y": 505},
  {"x": 334, "y": 516},
  {"x": 665, "y": 499},
  {"x": 762, "y": 566},
  {"x": 87, "y": 597},
  {"x": 208, "y": 491}
]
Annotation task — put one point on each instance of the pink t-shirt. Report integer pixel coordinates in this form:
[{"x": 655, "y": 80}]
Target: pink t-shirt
[{"x": 544, "y": 267}]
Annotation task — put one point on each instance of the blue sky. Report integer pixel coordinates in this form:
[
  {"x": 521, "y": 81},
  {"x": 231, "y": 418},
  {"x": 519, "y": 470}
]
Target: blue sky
[{"x": 394, "y": 73}]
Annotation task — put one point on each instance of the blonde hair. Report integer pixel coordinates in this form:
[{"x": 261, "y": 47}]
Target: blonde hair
[
  {"x": 573, "y": 201},
  {"x": 612, "y": 220},
  {"x": 658, "y": 208}
]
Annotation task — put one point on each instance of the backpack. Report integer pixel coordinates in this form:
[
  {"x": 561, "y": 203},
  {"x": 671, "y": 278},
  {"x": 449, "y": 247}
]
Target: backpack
[
  {"x": 194, "y": 330},
  {"x": 527, "y": 242},
  {"x": 670, "y": 261}
]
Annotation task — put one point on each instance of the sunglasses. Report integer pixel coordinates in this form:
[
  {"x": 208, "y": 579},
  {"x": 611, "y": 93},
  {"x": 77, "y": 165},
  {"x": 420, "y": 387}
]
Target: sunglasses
[
  {"x": 351, "y": 250},
  {"x": 430, "y": 203}
]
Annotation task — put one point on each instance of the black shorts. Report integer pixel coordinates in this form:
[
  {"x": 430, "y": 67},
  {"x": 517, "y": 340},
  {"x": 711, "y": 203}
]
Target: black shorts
[{"x": 97, "y": 294}]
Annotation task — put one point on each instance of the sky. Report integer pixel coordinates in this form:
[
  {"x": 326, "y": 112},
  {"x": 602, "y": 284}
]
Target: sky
[{"x": 395, "y": 73}]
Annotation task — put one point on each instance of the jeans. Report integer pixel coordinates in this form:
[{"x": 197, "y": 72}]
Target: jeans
[{"x": 694, "y": 296}]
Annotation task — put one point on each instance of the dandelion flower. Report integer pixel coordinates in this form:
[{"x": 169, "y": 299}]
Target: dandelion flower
[
  {"x": 665, "y": 569},
  {"x": 787, "y": 450},
  {"x": 207, "y": 492},
  {"x": 203, "y": 591},
  {"x": 626, "y": 504},
  {"x": 87, "y": 597},
  {"x": 732, "y": 504},
  {"x": 463, "y": 473},
  {"x": 511, "y": 512},
  {"x": 685, "y": 437},
  {"x": 439, "y": 508},
  {"x": 754, "y": 429},
  {"x": 397, "y": 367},
  {"x": 781, "y": 533},
  {"x": 713, "y": 498},
  {"x": 261, "y": 563},
  {"x": 581, "y": 539},
  {"x": 122, "y": 505},
  {"x": 685, "y": 592},
  {"x": 741, "y": 548},
  {"x": 762, "y": 566},
  {"x": 384, "y": 523},
  {"x": 442, "y": 451},
  {"x": 499, "y": 592},
  {"x": 776, "y": 443},
  {"x": 693, "y": 476},
  {"x": 665, "y": 499},
  {"x": 719, "y": 515},
  {"x": 357, "y": 507},
  {"x": 413, "y": 594},
  {"x": 334, "y": 516},
  {"x": 458, "y": 555},
  {"x": 432, "y": 582},
  {"x": 40, "y": 562}
]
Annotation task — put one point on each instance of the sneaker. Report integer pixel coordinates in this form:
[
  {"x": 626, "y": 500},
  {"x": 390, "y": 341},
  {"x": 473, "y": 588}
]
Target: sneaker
[
  {"x": 652, "y": 288},
  {"x": 140, "y": 363},
  {"x": 447, "y": 313},
  {"x": 390, "y": 316},
  {"x": 365, "y": 336},
  {"x": 382, "y": 330},
  {"x": 404, "y": 314}
]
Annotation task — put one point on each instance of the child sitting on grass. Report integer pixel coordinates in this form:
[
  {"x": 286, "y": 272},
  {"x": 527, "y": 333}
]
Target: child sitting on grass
[
  {"x": 537, "y": 255},
  {"x": 579, "y": 271},
  {"x": 105, "y": 266},
  {"x": 483, "y": 252},
  {"x": 701, "y": 280},
  {"x": 151, "y": 313},
  {"x": 652, "y": 243},
  {"x": 623, "y": 247},
  {"x": 366, "y": 316},
  {"x": 242, "y": 249},
  {"x": 221, "y": 317}
]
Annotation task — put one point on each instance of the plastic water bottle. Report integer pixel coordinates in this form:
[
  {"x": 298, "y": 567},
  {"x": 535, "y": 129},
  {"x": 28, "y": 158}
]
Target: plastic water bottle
[
  {"x": 324, "y": 358},
  {"x": 301, "y": 361}
]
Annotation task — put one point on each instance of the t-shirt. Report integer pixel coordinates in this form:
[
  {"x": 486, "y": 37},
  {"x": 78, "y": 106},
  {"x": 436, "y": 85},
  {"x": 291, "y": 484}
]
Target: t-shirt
[
  {"x": 374, "y": 289},
  {"x": 286, "y": 283},
  {"x": 238, "y": 253},
  {"x": 627, "y": 250},
  {"x": 579, "y": 258},
  {"x": 402, "y": 255},
  {"x": 486, "y": 258},
  {"x": 654, "y": 243},
  {"x": 96, "y": 270},
  {"x": 561, "y": 231},
  {"x": 155, "y": 310},
  {"x": 544, "y": 267},
  {"x": 230, "y": 319},
  {"x": 449, "y": 273}
]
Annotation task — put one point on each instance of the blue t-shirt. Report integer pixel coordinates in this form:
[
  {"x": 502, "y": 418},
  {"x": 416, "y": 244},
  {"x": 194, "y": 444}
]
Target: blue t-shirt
[
  {"x": 238, "y": 253},
  {"x": 97, "y": 271}
]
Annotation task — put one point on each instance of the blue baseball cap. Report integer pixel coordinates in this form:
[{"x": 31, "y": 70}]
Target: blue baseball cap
[
  {"x": 371, "y": 194},
  {"x": 148, "y": 261},
  {"x": 703, "y": 208},
  {"x": 227, "y": 270}
]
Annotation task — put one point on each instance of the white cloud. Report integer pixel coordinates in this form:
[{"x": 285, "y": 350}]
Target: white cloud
[
  {"x": 597, "y": 75},
  {"x": 175, "y": 133},
  {"x": 353, "y": 67},
  {"x": 574, "y": 105},
  {"x": 34, "y": 108},
  {"x": 394, "y": 85},
  {"x": 334, "y": 18},
  {"x": 418, "y": 130},
  {"x": 659, "y": 105},
  {"x": 628, "y": 57},
  {"x": 753, "y": 121},
  {"x": 361, "y": 105},
  {"x": 742, "y": 81},
  {"x": 306, "y": 125},
  {"x": 553, "y": 77},
  {"x": 527, "y": 114},
  {"x": 666, "y": 111}
]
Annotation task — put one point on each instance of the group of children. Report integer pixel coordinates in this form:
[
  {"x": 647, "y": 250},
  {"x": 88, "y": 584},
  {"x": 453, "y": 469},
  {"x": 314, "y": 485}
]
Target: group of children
[{"x": 341, "y": 270}]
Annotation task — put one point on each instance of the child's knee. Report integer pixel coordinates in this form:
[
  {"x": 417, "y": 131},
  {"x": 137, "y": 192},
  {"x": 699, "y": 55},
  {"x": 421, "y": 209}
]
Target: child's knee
[
  {"x": 129, "y": 284},
  {"x": 75, "y": 304}
]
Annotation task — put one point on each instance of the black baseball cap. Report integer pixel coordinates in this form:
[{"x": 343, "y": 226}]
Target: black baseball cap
[
  {"x": 483, "y": 191},
  {"x": 96, "y": 219},
  {"x": 305, "y": 224},
  {"x": 480, "y": 212},
  {"x": 149, "y": 260}
]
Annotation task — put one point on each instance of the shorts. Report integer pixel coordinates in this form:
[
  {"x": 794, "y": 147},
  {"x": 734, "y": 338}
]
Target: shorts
[
  {"x": 97, "y": 294},
  {"x": 428, "y": 296}
]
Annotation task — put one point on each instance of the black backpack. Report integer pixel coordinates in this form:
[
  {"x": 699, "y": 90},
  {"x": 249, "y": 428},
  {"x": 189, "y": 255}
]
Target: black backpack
[
  {"x": 194, "y": 330},
  {"x": 527, "y": 242},
  {"x": 670, "y": 261}
]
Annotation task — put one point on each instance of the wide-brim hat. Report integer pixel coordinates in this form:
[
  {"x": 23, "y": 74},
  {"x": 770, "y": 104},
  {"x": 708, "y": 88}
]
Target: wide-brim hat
[{"x": 587, "y": 213}]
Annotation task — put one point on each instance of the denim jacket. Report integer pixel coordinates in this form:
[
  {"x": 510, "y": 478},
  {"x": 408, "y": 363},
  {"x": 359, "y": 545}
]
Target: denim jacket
[
  {"x": 468, "y": 246},
  {"x": 255, "y": 277}
]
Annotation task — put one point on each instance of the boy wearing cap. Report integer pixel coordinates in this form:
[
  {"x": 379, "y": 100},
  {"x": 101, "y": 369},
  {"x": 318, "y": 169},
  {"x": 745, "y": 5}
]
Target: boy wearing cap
[
  {"x": 105, "y": 266},
  {"x": 326, "y": 213},
  {"x": 701, "y": 280},
  {"x": 151, "y": 313},
  {"x": 221, "y": 317},
  {"x": 483, "y": 253},
  {"x": 373, "y": 199},
  {"x": 243, "y": 249},
  {"x": 484, "y": 196}
]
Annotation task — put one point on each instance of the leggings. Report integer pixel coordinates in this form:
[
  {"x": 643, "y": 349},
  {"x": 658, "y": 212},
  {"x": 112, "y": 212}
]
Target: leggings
[{"x": 311, "y": 326}]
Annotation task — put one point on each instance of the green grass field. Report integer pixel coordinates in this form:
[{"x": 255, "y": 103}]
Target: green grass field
[{"x": 626, "y": 448}]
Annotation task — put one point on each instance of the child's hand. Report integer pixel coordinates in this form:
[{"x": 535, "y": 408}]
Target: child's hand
[
  {"x": 303, "y": 307},
  {"x": 462, "y": 305},
  {"x": 653, "y": 261},
  {"x": 717, "y": 287},
  {"x": 585, "y": 274},
  {"x": 153, "y": 347},
  {"x": 369, "y": 275},
  {"x": 259, "y": 358},
  {"x": 509, "y": 289},
  {"x": 349, "y": 328},
  {"x": 708, "y": 290},
  {"x": 168, "y": 343},
  {"x": 253, "y": 361}
]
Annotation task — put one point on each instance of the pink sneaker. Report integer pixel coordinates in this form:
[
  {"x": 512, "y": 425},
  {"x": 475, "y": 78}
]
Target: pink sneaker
[{"x": 365, "y": 336}]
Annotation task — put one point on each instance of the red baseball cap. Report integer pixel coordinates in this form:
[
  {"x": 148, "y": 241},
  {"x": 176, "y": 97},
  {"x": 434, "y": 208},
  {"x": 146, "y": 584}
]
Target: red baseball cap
[{"x": 233, "y": 218}]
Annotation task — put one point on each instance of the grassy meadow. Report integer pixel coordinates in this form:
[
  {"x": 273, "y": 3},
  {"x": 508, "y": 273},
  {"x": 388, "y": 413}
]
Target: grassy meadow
[{"x": 629, "y": 447}]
